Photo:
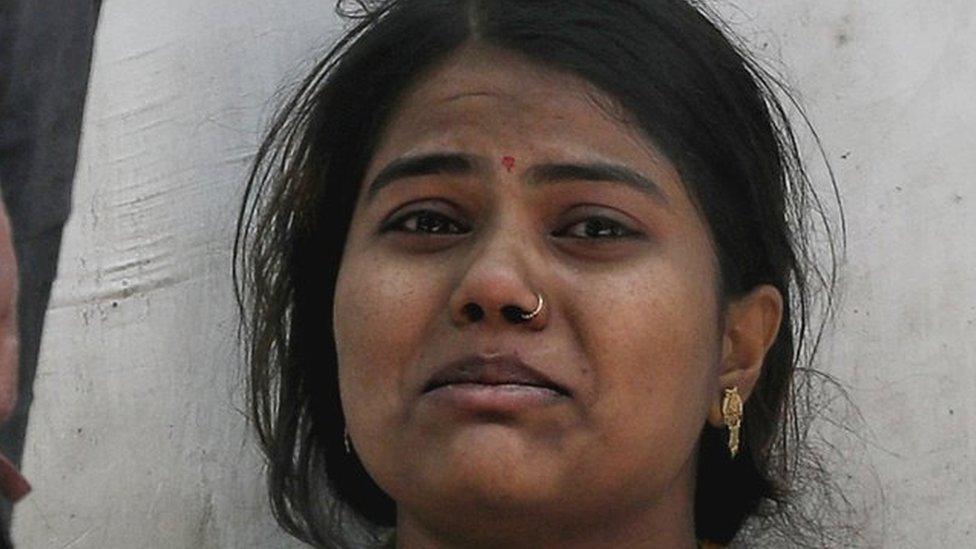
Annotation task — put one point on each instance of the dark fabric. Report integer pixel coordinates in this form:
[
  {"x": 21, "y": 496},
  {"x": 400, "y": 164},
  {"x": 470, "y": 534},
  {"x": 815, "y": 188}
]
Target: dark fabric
[
  {"x": 45, "y": 59},
  {"x": 45, "y": 55},
  {"x": 37, "y": 256}
]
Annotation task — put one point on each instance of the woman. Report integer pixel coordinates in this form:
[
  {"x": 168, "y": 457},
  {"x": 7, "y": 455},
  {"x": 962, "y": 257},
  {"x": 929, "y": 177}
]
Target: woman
[{"x": 521, "y": 274}]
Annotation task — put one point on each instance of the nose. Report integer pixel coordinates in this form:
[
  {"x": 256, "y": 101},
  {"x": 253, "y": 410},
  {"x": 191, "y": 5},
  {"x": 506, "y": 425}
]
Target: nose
[{"x": 496, "y": 287}]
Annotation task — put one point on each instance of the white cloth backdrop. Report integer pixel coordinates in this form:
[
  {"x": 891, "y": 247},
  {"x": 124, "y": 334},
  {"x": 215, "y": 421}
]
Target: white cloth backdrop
[{"x": 138, "y": 438}]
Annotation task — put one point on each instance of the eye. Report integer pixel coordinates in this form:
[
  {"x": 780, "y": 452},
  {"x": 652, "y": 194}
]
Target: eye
[
  {"x": 435, "y": 223},
  {"x": 600, "y": 228},
  {"x": 423, "y": 221}
]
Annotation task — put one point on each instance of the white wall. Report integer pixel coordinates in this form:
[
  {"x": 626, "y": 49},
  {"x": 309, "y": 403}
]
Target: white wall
[
  {"x": 137, "y": 438},
  {"x": 889, "y": 85}
]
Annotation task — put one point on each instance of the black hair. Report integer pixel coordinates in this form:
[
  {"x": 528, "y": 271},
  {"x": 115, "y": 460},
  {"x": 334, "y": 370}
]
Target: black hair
[{"x": 678, "y": 75}]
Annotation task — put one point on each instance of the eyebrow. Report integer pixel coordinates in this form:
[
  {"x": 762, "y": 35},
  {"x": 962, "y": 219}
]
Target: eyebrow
[
  {"x": 419, "y": 165},
  {"x": 465, "y": 164},
  {"x": 597, "y": 171}
]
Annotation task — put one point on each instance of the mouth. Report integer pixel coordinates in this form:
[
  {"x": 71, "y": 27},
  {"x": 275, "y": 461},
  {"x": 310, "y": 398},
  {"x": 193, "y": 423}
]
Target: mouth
[
  {"x": 504, "y": 385},
  {"x": 493, "y": 401},
  {"x": 503, "y": 372}
]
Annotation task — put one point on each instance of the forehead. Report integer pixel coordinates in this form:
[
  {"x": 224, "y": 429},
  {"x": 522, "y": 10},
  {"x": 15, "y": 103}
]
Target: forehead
[
  {"x": 480, "y": 94},
  {"x": 513, "y": 81}
]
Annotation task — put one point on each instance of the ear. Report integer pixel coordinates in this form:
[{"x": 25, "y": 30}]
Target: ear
[{"x": 751, "y": 325}]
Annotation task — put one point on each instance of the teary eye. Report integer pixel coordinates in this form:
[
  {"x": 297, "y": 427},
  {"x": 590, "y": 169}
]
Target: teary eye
[
  {"x": 425, "y": 221},
  {"x": 430, "y": 222},
  {"x": 599, "y": 228}
]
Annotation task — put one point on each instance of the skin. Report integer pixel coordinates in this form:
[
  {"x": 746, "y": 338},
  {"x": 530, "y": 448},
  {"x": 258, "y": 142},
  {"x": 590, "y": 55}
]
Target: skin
[
  {"x": 8, "y": 318},
  {"x": 632, "y": 325}
]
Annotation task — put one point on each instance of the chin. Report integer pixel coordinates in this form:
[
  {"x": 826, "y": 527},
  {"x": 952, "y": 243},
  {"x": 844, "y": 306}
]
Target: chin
[
  {"x": 488, "y": 486},
  {"x": 487, "y": 500}
]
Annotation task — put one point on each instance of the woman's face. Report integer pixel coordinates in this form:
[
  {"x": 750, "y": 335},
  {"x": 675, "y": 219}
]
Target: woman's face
[{"x": 630, "y": 325}]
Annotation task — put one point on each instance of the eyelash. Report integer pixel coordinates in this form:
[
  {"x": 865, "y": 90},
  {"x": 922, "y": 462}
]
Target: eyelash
[{"x": 397, "y": 224}]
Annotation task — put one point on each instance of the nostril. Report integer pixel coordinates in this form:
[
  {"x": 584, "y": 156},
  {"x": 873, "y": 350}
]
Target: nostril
[
  {"x": 512, "y": 313},
  {"x": 473, "y": 311}
]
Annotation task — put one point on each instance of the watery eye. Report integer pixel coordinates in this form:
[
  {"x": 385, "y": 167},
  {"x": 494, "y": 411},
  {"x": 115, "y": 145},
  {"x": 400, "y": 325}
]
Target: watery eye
[
  {"x": 423, "y": 221},
  {"x": 598, "y": 228}
]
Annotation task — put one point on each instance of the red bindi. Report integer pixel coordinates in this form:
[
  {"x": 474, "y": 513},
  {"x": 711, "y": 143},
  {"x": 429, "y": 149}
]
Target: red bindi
[{"x": 509, "y": 163}]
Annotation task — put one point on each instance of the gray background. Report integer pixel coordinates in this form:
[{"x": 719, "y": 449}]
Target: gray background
[{"x": 137, "y": 438}]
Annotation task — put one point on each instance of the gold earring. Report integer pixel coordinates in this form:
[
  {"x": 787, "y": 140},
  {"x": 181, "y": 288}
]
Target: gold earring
[{"x": 732, "y": 414}]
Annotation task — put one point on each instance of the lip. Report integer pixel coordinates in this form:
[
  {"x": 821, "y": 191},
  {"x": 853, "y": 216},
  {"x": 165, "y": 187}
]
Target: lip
[
  {"x": 506, "y": 398},
  {"x": 493, "y": 370}
]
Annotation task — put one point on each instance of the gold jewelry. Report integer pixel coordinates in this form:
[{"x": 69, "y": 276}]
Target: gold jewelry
[
  {"x": 345, "y": 439},
  {"x": 732, "y": 414},
  {"x": 537, "y": 310}
]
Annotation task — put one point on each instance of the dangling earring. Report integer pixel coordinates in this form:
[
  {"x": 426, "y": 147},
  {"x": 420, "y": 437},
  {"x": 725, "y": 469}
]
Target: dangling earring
[
  {"x": 732, "y": 414},
  {"x": 345, "y": 439}
]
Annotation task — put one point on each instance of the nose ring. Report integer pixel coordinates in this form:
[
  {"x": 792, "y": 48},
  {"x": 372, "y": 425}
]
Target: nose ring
[{"x": 537, "y": 310}]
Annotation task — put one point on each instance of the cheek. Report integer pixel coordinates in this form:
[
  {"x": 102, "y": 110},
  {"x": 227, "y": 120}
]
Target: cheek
[
  {"x": 656, "y": 355},
  {"x": 379, "y": 318}
]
